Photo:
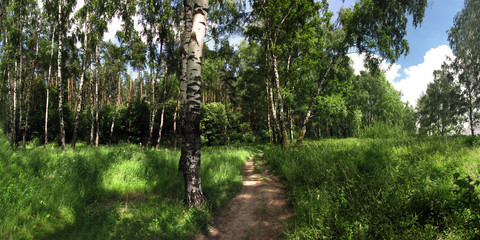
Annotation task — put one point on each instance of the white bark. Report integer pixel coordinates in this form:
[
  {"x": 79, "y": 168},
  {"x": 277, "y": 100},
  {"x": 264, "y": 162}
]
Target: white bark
[
  {"x": 46, "y": 85},
  {"x": 59, "y": 72},
  {"x": 191, "y": 146},
  {"x": 80, "y": 84}
]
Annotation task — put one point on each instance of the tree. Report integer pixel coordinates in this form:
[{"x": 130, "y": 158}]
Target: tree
[
  {"x": 191, "y": 99},
  {"x": 464, "y": 37},
  {"x": 82, "y": 73},
  {"x": 441, "y": 109}
]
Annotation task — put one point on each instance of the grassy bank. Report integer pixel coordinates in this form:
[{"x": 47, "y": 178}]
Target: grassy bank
[
  {"x": 123, "y": 192},
  {"x": 380, "y": 188}
]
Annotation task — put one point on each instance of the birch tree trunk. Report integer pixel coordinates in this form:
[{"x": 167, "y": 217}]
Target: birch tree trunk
[
  {"x": 29, "y": 93},
  {"x": 188, "y": 19},
  {"x": 191, "y": 146},
  {"x": 153, "y": 112},
  {"x": 163, "y": 107},
  {"x": 175, "y": 116},
  {"x": 80, "y": 84},
  {"x": 97, "y": 65},
  {"x": 92, "y": 107},
  {"x": 312, "y": 103},
  {"x": 59, "y": 72},
  {"x": 131, "y": 83},
  {"x": 112, "y": 127},
  {"x": 281, "y": 117},
  {"x": 48, "y": 90}
]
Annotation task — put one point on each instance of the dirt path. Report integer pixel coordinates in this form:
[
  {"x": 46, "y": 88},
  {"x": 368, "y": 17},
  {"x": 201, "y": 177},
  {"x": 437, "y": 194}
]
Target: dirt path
[{"x": 260, "y": 211}]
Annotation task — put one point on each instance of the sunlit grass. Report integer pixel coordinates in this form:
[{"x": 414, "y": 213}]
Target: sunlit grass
[
  {"x": 123, "y": 192},
  {"x": 376, "y": 188}
]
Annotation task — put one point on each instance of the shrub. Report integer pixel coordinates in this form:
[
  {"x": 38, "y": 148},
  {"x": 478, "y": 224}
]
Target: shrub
[{"x": 214, "y": 124}]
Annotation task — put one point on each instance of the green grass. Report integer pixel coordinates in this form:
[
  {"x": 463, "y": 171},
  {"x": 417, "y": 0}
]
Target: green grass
[
  {"x": 123, "y": 192},
  {"x": 377, "y": 188}
]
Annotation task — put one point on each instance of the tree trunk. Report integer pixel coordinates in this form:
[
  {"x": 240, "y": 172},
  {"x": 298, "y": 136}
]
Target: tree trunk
[
  {"x": 153, "y": 112},
  {"x": 113, "y": 118},
  {"x": 191, "y": 146},
  {"x": 48, "y": 91},
  {"x": 281, "y": 118},
  {"x": 290, "y": 120},
  {"x": 175, "y": 116},
  {"x": 80, "y": 84},
  {"x": 59, "y": 72},
  {"x": 92, "y": 106},
  {"x": 131, "y": 73},
  {"x": 97, "y": 65},
  {"x": 140, "y": 92},
  {"x": 186, "y": 36},
  {"x": 20, "y": 93},
  {"x": 163, "y": 107},
  {"x": 29, "y": 93},
  {"x": 312, "y": 103}
]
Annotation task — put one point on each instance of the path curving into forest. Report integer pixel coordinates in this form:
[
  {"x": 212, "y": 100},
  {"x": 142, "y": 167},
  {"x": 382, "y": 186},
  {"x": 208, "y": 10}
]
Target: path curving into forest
[{"x": 259, "y": 211}]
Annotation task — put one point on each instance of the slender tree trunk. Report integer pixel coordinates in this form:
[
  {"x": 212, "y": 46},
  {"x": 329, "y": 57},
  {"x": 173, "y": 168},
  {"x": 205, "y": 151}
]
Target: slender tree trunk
[
  {"x": 97, "y": 65},
  {"x": 59, "y": 72},
  {"x": 20, "y": 93},
  {"x": 270, "y": 135},
  {"x": 29, "y": 93},
  {"x": 104, "y": 88},
  {"x": 163, "y": 107},
  {"x": 131, "y": 73},
  {"x": 290, "y": 120},
  {"x": 46, "y": 84},
  {"x": 191, "y": 146},
  {"x": 283, "y": 130},
  {"x": 92, "y": 107},
  {"x": 113, "y": 119},
  {"x": 79, "y": 97},
  {"x": 312, "y": 103},
  {"x": 153, "y": 112},
  {"x": 14, "y": 114},
  {"x": 175, "y": 116},
  {"x": 140, "y": 92}
]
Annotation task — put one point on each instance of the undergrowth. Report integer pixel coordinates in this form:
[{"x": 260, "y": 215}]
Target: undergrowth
[
  {"x": 123, "y": 192},
  {"x": 380, "y": 188}
]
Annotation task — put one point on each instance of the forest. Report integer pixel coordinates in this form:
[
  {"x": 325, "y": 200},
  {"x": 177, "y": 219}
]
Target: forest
[{"x": 145, "y": 136}]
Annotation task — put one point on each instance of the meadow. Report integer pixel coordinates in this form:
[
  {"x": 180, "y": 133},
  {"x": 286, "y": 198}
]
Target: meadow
[
  {"x": 406, "y": 188},
  {"x": 123, "y": 192}
]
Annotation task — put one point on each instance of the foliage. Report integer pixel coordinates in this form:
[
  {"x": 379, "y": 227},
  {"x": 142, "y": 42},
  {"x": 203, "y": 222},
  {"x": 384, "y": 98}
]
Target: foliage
[
  {"x": 441, "y": 109},
  {"x": 123, "y": 192},
  {"x": 469, "y": 200},
  {"x": 383, "y": 130},
  {"x": 214, "y": 124},
  {"x": 398, "y": 188},
  {"x": 464, "y": 37}
]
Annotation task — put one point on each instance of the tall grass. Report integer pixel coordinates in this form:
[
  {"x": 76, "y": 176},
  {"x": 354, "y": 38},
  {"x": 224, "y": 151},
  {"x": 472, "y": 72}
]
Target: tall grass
[
  {"x": 123, "y": 192},
  {"x": 377, "y": 189}
]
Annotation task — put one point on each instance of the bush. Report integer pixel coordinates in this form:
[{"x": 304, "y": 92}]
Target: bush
[{"x": 214, "y": 124}]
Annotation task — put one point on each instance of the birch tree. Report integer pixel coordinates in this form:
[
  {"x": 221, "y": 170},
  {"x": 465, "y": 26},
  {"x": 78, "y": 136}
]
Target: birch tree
[
  {"x": 464, "y": 37},
  {"x": 191, "y": 99},
  {"x": 82, "y": 73}
]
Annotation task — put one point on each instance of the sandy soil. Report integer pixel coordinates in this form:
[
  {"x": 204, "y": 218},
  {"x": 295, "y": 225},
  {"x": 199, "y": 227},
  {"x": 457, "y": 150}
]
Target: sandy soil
[{"x": 260, "y": 211}]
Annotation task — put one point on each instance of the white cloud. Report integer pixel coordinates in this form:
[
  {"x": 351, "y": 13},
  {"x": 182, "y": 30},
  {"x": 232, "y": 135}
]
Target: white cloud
[
  {"x": 391, "y": 70},
  {"x": 419, "y": 76},
  {"x": 113, "y": 27}
]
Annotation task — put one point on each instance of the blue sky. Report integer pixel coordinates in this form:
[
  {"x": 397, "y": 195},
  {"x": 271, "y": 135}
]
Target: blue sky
[{"x": 428, "y": 48}]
